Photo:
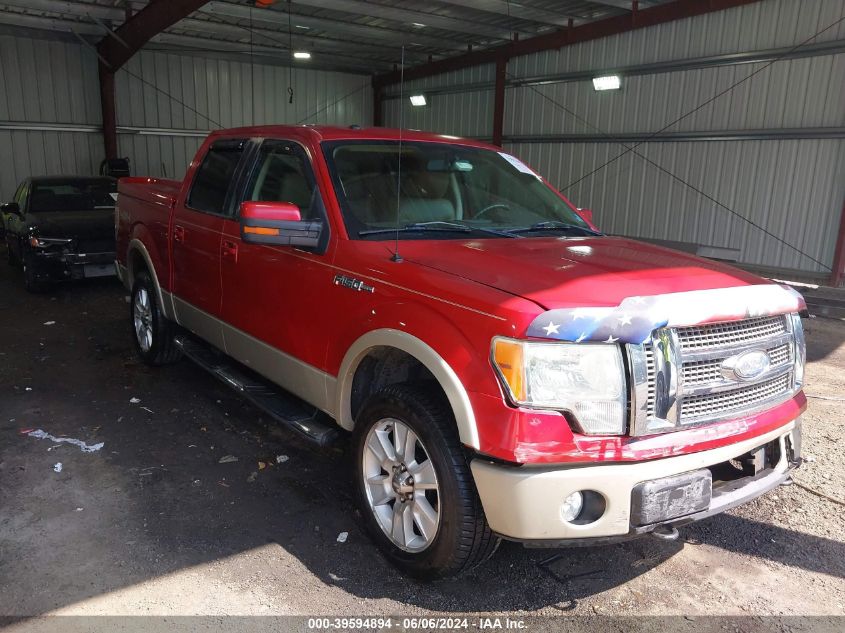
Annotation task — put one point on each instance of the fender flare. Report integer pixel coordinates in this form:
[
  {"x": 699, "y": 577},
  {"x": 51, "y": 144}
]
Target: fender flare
[
  {"x": 410, "y": 344},
  {"x": 137, "y": 245}
]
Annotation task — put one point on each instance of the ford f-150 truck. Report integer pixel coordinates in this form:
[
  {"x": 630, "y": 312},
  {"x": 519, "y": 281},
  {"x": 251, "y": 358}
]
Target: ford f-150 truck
[{"x": 504, "y": 368}]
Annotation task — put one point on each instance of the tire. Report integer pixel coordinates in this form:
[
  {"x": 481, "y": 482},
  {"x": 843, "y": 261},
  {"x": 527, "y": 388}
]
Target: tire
[
  {"x": 30, "y": 280},
  {"x": 152, "y": 332},
  {"x": 460, "y": 538}
]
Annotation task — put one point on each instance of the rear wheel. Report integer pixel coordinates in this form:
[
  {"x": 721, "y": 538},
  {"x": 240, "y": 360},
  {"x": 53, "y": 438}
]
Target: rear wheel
[
  {"x": 414, "y": 486},
  {"x": 152, "y": 332}
]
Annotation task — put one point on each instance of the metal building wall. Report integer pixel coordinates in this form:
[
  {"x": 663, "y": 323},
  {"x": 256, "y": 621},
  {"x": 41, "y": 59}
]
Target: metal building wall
[
  {"x": 47, "y": 84},
  {"x": 161, "y": 132},
  {"x": 793, "y": 187},
  {"x": 461, "y": 114},
  {"x": 50, "y": 107}
]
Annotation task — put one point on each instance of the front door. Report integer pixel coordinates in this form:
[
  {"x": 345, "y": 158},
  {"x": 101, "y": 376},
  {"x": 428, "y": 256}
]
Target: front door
[
  {"x": 272, "y": 294},
  {"x": 196, "y": 238}
]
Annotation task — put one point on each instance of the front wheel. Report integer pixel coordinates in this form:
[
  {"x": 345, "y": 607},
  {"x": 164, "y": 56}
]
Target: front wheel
[
  {"x": 414, "y": 486},
  {"x": 152, "y": 331}
]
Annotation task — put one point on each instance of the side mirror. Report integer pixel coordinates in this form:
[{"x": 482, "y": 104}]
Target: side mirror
[
  {"x": 10, "y": 207},
  {"x": 278, "y": 223},
  {"x": 587, "y": 216}
]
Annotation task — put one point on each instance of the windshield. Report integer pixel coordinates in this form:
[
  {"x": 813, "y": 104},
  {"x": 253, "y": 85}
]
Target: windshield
[
  {"x": 77, "y": 195},
  {"x": 444, "y": 191}
]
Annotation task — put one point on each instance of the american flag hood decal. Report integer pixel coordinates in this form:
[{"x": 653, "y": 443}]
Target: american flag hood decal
[{"x": 636, "y": 318}]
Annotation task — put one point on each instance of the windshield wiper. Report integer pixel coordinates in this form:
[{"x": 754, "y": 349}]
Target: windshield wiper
[
  {"x": 438, "y": 226},
  {"x": 553, "y": 225}
]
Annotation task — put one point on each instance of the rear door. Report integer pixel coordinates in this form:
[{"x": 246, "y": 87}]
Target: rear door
[
  {"x": 196, "y": 237},
  {"x": 274, "y": 296}
]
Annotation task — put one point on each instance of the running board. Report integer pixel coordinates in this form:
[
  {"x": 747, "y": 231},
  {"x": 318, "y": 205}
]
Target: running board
[{"x": 285, "y": 408}]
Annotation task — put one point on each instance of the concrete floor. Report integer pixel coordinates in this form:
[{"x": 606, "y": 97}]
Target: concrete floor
[{"x": 152, "y": 523}]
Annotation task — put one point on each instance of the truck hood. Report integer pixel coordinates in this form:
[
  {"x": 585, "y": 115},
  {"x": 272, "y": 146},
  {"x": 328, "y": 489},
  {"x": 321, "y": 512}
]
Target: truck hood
[
  {"x": 575, "y": 272},
  {"x": 86, "y": 224}
]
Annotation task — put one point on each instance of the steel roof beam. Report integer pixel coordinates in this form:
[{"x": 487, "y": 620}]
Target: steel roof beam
[
  {"x": 157, "y": 16},
  {"x": 518, "y": 11},
  {"x": 410, "y": 16},
  {"x": 565, "y": 37},
  {"x": 279, "y": 18}
]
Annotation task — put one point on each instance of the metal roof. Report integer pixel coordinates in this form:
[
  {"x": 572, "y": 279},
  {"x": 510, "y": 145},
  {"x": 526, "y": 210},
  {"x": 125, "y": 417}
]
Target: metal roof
[{"x": 364, "y": 36}]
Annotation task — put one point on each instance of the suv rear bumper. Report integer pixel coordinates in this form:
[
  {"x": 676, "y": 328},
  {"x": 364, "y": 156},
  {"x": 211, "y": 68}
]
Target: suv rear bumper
[{"x": 523, "y": 503}]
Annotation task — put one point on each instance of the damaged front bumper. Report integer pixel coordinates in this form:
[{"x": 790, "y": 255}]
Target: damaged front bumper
[{"x": 623, "y": 501}]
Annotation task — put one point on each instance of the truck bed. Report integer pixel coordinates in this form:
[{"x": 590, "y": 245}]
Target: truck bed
[{"x": 155, "y": 190}]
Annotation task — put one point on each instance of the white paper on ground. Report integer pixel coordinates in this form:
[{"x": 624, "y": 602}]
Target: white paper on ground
[{"x": 86, "y": 448}]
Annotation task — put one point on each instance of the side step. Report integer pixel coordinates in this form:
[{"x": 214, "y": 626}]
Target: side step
[{"x": 285, "y": 408}]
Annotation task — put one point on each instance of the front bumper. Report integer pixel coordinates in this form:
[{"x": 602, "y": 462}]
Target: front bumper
[
  {"x": 523, "y": 503},
  {"x": 56, "y": 265}
]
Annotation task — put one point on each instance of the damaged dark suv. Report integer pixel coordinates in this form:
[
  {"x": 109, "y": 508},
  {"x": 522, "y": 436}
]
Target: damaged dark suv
[{"x": 61, "y": 227}]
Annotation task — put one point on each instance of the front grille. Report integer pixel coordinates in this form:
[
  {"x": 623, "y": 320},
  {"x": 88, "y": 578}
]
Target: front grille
[
  {"x": 681, "y": 381},
  {"x": 735, "y": 399},
  {"x": 699, "y": 372},
  {"x": 731, "y": 333}
]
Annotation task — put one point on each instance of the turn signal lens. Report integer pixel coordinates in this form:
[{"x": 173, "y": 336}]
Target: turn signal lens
[
  {"x": 508, "y": 356},
  {"x": 260, "y": 230}
]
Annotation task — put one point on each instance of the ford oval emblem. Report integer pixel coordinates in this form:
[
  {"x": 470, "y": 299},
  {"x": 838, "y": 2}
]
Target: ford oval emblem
[{"x": 746, "y": 366}]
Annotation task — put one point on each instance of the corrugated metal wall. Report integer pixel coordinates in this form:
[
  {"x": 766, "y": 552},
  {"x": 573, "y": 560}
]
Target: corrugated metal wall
[
  {"x": 163, "y": 99},
  {"x": 47, "y": 82},
  {"x": 208, "y": 93},
  {"x": 793, "y": 188}
]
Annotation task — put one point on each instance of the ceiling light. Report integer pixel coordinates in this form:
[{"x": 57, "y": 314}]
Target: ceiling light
[
  {"x": 301, "y": 55},
  {"x": 609, "y": 82},
  {"x": 418, "y": 25},
  {"x": 418, "y": 100},
  {"x": 300, "y": 26}
]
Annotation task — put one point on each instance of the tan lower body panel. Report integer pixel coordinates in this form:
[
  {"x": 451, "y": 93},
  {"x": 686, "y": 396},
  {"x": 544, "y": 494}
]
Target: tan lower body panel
[{"x": 524, "y": 503}]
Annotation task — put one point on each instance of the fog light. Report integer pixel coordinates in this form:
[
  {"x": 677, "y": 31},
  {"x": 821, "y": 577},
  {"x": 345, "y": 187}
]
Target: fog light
[{"x": 572, "y": 507}]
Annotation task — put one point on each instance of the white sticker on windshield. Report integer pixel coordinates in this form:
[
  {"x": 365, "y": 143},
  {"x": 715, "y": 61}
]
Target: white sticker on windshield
[{"x": 513, "y": 160}]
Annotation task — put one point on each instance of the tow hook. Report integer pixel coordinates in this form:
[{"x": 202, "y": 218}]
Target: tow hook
[{"x": 665, "y": 533}]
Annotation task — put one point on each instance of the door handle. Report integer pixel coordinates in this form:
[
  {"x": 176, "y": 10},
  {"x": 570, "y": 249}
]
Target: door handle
[
  {"x": 178, "y": 233},
  {"x": 229, "y": 249}
]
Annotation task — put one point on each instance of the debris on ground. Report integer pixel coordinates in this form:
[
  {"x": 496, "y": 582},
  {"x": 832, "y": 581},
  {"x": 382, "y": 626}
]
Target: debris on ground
[
  {"x": 50, "y": 323},
  {"x": 281, "y": 459},
  {"x": 58, "y": 467},
  {"x": 85, "y": 448},
  {"x": 252, "y": 477},
  {"x": 134, "y": 400},
  {"x": 227, "y": 459},
  {"x": 341, "y": 538},
  {"x": 79, "y": 509},
  {"x": 148, "y": 410},
  {"x": 261, "y": 465}
]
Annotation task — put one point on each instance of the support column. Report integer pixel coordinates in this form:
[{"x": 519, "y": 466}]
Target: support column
[
  {"x": 378, "y": 106},
  {"x": 838, "y": 272},
  {"x": 499, "y": 100},
  {"x": 107, "y": 106}
]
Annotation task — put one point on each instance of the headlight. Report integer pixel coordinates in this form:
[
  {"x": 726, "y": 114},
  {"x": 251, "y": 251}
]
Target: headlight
[
  {"x": 587, "y": 380},
  {"x": 47, "y": 242},
  {"x": 800, "y": 349}
]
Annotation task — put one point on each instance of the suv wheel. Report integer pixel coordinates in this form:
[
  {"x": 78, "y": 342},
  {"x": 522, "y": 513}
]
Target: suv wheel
[
  {"x": 152, "y": 332},
  {"x": 414, "y": 486}
]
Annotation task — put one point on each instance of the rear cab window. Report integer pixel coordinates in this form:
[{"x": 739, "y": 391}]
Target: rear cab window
[{"x": 215, "y": 176}]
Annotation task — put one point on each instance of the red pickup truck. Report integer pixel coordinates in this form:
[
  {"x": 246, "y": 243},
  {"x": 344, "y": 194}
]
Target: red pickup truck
[{"x": 505, "y": 369}]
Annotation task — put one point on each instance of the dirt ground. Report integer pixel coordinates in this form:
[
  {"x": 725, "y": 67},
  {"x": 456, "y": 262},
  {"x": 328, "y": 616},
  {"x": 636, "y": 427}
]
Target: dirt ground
[{"x": 154, "y": 524}]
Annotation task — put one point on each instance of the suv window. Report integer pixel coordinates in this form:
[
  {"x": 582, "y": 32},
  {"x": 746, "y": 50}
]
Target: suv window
[
  {"x": 283, "y": 174},
  {"x": 214, "y": 177}
]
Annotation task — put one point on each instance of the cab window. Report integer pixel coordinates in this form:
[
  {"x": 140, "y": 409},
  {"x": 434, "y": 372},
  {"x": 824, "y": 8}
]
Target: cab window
[
  {"x": 214, "y": 177},
  {"x": 283, "y": 174}
]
